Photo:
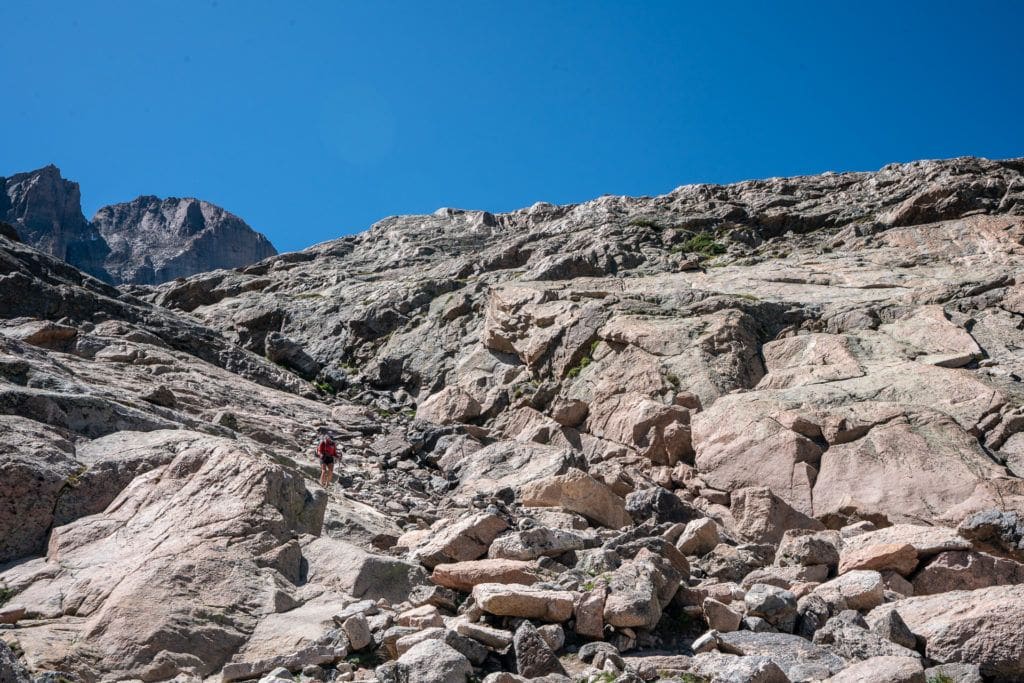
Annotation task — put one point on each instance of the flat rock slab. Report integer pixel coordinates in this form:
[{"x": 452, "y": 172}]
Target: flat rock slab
[{"x": 800, "y": 659}]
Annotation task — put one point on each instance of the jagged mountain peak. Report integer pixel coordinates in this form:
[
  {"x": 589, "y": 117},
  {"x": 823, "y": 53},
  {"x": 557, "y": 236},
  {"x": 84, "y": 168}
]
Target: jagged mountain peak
[{"x": 147, "y": 240}]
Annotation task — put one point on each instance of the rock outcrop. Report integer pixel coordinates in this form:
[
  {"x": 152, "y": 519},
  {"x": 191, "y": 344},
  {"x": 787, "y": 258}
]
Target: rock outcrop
[{"x": 769, "y": 431}]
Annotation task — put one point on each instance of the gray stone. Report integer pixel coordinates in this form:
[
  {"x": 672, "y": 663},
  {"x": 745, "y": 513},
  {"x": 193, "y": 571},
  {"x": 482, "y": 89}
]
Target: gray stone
[{"x": 533, "y": 656}]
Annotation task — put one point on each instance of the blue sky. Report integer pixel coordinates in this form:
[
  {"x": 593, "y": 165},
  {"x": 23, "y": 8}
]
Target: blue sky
[{"x": 312, "y": 120}]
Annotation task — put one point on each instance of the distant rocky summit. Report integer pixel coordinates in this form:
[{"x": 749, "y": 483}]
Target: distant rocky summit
[
  {"x": 768, "y": 432},
  {"x": 46, "y": 210},
  {"x": 145, "y": 241}
]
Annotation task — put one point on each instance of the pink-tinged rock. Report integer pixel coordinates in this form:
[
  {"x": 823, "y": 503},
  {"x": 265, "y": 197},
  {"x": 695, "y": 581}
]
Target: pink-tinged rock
[
  {"x": 898, "y": 557},
  {"x": 933, "y": 338},
  {"x": 859, "y": 590},
  {"x": 763, "y": 517},
  {"x": 966, "y": 570},
  {"x": 589, "y": 613},
  {"x": 917, "y": 466},
  {"x": 578, "y": 492},
  {"x": 657, "y": 431},
  {"x": 451, "y": 404},
  {"x": 976, "y": 627},
  {"x": 720, "y": 616},
  {"x": 925, "y": 540},
  {"x": 510, "y": 600},
  {"x": 466, "y": 539},
  {"x": 808, "y": 359},
  {"x": 740, "y": 443},
  {"x": 463, "y": 576}
]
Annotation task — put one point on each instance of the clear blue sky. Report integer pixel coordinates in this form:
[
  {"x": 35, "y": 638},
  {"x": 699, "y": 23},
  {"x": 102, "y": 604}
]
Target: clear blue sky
[{"x": 312, "y": 120}]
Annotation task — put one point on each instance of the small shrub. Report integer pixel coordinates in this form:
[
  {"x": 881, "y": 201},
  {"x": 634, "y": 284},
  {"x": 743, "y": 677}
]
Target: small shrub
[
  {"x": 703, "y": 244},
  {"x": 324, "y": 388},
  {"x": 575, "y": 370},
  {"x": 6, "y": 594},
  {"x": 645, "y": 223}
]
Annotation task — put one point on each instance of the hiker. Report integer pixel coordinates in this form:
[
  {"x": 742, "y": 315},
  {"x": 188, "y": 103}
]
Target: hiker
[{"x": 326, "y": 452}]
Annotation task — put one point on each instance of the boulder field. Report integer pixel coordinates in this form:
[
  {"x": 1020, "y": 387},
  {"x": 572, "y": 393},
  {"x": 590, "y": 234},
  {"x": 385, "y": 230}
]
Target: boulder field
[{"x": 770, "y": 431}]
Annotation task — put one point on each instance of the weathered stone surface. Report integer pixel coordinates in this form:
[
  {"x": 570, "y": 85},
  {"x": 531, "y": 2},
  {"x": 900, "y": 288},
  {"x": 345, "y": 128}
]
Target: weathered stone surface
[
  {"x": 855, "y": 643},
  {"x": 523, "y": 601},
  {"x": 718, "y": 667},
  {"x": 859, "y": 590},
  {"x": 534, "y": 658},
  {"x": 884, "y": 669},
  {"x": 763, "y": 517},
  {"x": 954, "y": 673},
  {"x": 721, "y": 617},
  {"x": 898, "y": 557},
  {"x": 589, "y": 613},
  {"x": 449, "y": 405},
  {"x": 658, "y": 504},
  {"x": 775, "y": 605},
  {"x": 799, "y": 659},
  {"x": 802, "y": 547},
  {"x": 972, "y": 627},
  {"x": 35, "y": 463},
  {"x": 431, "y": 661},
  {"x": 639, "y": 590},
  {"x": 173, "y": 523},
  {"x": 535, "y": 542},
  {"x": 699, "y": 537},
  {"x": 579, "y": 492},
  {"x": 492, "y": 637},
  {"x": 966, "y": 570},
  {"x": 1001, "y": 531},
  {"x": 466, "y": 539},
  {"x": 357, "y": 630},
  {"x": 464, "y": 575},
  {"x": 926, "y": 540}
]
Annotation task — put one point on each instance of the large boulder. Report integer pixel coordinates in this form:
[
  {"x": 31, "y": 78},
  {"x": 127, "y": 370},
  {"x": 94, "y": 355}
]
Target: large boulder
[
  {"x": 918, "y": 465},
  {"x": 882, "y": 669},
  {"x": 578, "y": 492},
  {"x": 639, "y": 590},
  {"x": 186, "y": 534},
  {"x": 466, "y": 539},
  {"x": 511, "y": 600},
  {"x": 464, "y": 575},
  {"x": 763, "y": 517},
  {"x": 534, "y": 657},
  {"x": 430, "y": 661},
  {"x": 799, "y": 659},
  {"x": 966, "y": 570},
  {"x": 974, "y": 627}
]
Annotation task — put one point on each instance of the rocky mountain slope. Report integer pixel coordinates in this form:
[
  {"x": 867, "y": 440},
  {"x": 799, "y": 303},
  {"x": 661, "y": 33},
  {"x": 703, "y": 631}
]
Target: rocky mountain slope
[
  {"x": 145, "y": 241},
  {"x": 771, "y": 431}
]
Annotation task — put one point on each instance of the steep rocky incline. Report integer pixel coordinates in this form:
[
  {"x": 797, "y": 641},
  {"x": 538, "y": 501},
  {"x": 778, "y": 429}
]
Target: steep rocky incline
[
  {"x": 145, "y": 241},
  {"x": 770, "y": 431}
]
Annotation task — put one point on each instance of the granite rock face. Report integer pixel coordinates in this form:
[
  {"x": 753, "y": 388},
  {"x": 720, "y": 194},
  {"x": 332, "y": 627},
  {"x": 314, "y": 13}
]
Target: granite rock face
[
  {"x": 770, "y": 431},
  {"x": 145, "y": 241}
]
